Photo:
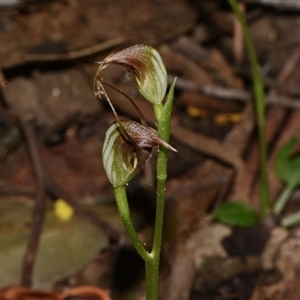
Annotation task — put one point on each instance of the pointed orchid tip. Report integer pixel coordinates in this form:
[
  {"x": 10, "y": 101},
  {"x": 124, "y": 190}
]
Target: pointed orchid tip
[
  {"x": 169, "y": 147},
  {"x": 173, "y": 149}
]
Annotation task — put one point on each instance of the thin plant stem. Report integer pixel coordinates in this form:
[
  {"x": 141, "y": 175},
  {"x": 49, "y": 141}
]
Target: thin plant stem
[
  {"x": 151, "y": 262},
  {"x": 284, "y": 196},
  {"x": 259, "y": 109},
  {"x": 291, "y": 220},
  {"x": 122, "y": 204},
  {"x": 152, "y": 265},
  {"x": 163, "y": 117},
  {"x": 152, "y": 275},
  {"x": 152, "y": 259}
]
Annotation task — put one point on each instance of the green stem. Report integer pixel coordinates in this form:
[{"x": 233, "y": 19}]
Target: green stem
[
  {"x": 163, "y": 117},
  {"x": 282, "y": 199},
  {"x": 152, "y": 266},
  {"x": 291, "y": 220},
  {"x": 152, "y": 259},
  {"x": 152, "y": 276},
  {"x": 259, "y": 109},
  {"x": 122, "y": 203}
]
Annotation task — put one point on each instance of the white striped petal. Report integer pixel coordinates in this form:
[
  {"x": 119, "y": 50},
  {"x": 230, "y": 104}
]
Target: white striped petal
[
  {"x": 119, "y": 161},
  {"x": 146, "y": 68}
]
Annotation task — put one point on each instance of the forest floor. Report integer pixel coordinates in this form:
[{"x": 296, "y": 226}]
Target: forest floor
[{"x": 60, "y": 232}]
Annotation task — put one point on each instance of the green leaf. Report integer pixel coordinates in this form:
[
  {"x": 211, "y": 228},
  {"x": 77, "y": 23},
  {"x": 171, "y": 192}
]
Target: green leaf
[
  {"x": 287, "y": 166},
  {"x": 236, "y": 214}
]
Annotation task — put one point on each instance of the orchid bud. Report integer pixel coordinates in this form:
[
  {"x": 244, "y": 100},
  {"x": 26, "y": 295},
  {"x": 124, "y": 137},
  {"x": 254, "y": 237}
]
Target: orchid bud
[
  {"x": 146, "y": 69},
  {"x": 126, "y": 149}
]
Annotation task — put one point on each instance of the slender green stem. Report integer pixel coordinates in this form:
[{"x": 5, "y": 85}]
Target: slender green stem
[
  {"x": 259, "y": 109},
  {"x": 152, "y": 259},
  {"x": 158, "y": 109},
  {"x": 284, "y": 196},
  {"x": 152, "y": 276},
  {"x": 122, "y": 203},
  {"x": 152, "y": 266},
  {"x": 163, "y": 117},
  {"x": 291, "y": 220}
]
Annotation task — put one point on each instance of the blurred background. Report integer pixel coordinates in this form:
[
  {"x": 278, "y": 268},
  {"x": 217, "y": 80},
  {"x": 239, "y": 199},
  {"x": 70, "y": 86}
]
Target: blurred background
[{"x": 59, "y": 227}]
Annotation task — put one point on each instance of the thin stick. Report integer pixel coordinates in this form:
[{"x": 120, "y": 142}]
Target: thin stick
[
  {"x": 38, "y": 214},
  {"x": 240, "y": 95},
  {"x": 46, "y": 185},
  {"x": 238, "y": 38},
  {"x": 75, "y": 54}
]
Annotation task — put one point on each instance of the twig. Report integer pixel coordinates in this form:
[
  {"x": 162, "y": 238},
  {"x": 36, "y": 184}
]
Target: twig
[
  {"x": 50, "y": 187},
  {"x": 46, "y": 186},
  {"x": 280, "y": 4},
  {"x": 206, "y": 145},
  {"x": 9, "y": 188},
  {"x": 236, "y": 94},
  {"x": 75, "y": 54},
  {"x": 238, "y": 38},
  {"x": 291, "y": 89},
  {"x": 38, "y": 214},
  {"x": 211, "y": 90},
  {"x": 193, "y": 187},
  {"x": 283, "y": 101}
]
